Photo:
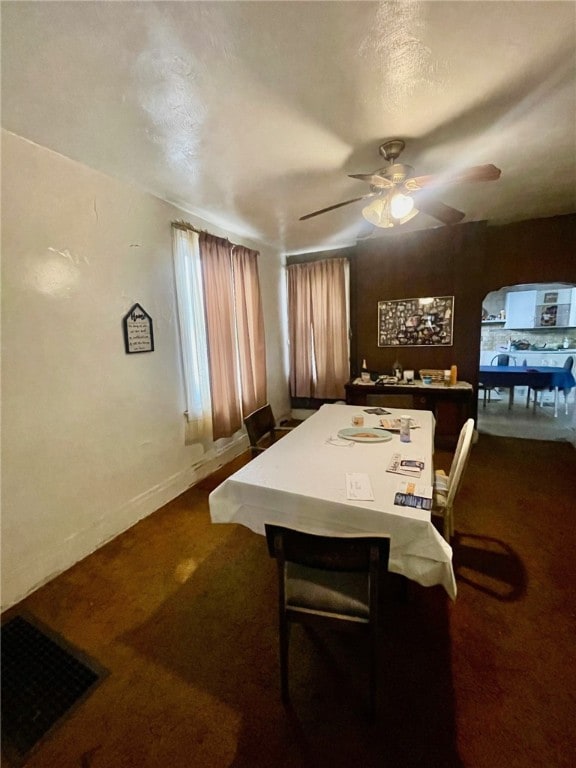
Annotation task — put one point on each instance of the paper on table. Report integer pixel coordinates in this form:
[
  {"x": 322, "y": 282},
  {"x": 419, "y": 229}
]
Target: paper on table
[
  {"x": 393, "y": 425},
  {"x": 358, "y": 487},
  {"x": 411, "y": 495},
  {"x": 400, "y": 466}
]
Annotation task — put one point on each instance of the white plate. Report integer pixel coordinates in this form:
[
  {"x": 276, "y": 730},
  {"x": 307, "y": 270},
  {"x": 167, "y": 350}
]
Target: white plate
[{"x": 365, "y": 434}]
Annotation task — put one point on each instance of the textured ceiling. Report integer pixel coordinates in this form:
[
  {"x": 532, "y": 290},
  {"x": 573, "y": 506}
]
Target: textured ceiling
[{"x": 251, "y": 114}]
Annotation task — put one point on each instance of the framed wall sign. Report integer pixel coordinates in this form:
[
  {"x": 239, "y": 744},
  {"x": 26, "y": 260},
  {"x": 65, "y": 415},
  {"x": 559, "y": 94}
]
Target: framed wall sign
[
  {"x": 425, "y": 322},
  {"x": 138, "y": 331}
]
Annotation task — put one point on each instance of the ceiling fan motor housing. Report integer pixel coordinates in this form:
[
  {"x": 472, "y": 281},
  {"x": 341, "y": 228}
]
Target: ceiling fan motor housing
[
  {"x": 390, "y": 150},
  {"x": 397, "y": 173}
]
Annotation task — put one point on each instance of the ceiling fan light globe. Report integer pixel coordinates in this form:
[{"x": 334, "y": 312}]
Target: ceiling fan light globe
[
  {"x": 377, "y": 213},
  {"x": 401, "y": 206},
  {"x": 409, "y": 216}
]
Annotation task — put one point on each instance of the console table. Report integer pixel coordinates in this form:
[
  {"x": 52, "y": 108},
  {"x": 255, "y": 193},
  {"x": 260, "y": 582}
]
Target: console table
[{"x": 451, "y": 406}]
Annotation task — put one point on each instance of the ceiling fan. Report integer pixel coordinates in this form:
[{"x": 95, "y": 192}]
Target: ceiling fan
[{"x": 395, "y": 191}]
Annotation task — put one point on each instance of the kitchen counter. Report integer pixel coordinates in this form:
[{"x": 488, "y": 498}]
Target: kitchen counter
[
  {"x": 532, "y": 356},
  {"x": 569, "y": 351}
]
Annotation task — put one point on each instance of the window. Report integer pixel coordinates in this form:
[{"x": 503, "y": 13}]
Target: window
[
  {"x": 222, "y": 331},
  {"x": 318, "y": 328},
  {"x": 193, "y": 345}
]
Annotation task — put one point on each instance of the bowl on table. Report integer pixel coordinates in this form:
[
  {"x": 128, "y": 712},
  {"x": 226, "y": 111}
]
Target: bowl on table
[{"x": 426, "y": 379}]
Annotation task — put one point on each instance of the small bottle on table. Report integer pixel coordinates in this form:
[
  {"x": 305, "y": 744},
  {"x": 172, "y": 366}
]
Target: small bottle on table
[{"x": 364, "y": 372}]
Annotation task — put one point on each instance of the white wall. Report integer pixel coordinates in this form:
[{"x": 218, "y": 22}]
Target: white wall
[{"x": 92, "y": 438}]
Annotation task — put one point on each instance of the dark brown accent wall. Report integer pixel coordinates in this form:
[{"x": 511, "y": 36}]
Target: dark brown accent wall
[
  {"x": 466, "y": 261},
  {"x": 535, "y": 251},
  {"x": 447, "y": 261}
]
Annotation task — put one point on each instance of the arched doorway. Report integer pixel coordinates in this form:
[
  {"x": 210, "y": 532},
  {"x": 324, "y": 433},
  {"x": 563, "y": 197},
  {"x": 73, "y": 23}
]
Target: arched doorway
[{"x": 535, "y": 325}]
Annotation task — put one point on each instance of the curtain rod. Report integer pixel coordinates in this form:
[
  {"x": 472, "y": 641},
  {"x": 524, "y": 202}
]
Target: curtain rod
[{"x": 184, "y": 225}]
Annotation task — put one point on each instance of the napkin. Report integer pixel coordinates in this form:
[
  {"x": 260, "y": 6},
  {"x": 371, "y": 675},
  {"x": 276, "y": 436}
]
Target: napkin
[{"x": 358, "y": 487}]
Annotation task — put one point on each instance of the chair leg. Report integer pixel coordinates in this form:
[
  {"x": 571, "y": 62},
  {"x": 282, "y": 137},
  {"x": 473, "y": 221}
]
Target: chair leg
[
  {"x": 448, "y": 525},
  {"x": 373, "y": 673},
  {"x": 284, "y": 639}
]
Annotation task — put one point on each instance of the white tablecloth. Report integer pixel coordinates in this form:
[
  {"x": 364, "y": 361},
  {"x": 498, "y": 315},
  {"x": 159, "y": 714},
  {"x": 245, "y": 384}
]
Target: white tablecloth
[{"x": 300, "y": 482}]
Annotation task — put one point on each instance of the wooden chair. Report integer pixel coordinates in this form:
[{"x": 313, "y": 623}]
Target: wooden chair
[
  {"x": 446, "y": 486},
  {"x": 329, "y": 580},
  {"x": 262, "y": 429},
  {"x": 391, "y": 401}
]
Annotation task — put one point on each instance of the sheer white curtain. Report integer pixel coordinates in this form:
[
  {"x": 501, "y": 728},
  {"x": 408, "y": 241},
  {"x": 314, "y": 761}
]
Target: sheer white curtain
[{"x": 192, "y": 324}]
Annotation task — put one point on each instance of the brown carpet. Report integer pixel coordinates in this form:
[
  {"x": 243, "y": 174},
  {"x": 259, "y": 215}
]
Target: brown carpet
[{"x": 183, "y": 615}]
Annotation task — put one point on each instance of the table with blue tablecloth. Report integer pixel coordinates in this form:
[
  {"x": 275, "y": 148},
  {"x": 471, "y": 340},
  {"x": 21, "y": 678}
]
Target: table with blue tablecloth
[{"x": 539, "y": 377}]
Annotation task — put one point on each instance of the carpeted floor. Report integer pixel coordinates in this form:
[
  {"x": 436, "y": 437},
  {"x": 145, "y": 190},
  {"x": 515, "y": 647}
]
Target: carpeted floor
[{"x": 183, "y": 615}]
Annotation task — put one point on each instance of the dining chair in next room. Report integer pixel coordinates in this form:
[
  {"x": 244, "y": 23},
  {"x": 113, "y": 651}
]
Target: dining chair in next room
[
  {"x": 568, "y": 365},
  {"x": 502, "y": 359}
]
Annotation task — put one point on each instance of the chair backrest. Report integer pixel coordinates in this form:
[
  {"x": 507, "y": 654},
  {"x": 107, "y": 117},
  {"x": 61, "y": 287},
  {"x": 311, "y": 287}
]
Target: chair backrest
[
  {"x": 259, "y": 424},
  {"x": 459, "y": 460},
  {"x": 503, "y": 359},
  {"x": 568, "y": 364},
  {"x": 332, "y": 581},
  {"x": 347, "y": 552},
  {"x": 392, "y": 401}
]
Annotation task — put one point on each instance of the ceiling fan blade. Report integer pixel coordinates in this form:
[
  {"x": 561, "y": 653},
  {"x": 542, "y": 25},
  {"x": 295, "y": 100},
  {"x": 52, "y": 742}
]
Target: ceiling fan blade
[
  {"x": 374, "y": 179},
  {"x": 438, "y": 210},
  {"x": 475, "y": 173},
  {"x": 338, "y": 205}
]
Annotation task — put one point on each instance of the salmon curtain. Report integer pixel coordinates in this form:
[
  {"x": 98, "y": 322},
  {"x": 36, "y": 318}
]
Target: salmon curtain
[
  {"x": 235, "y": 332},
  {"x": 330, "y": 327},
  {"x": 250, "y": 328},
  {"x": 300, "y": 331},
  {"x": 318, "y": 328}
]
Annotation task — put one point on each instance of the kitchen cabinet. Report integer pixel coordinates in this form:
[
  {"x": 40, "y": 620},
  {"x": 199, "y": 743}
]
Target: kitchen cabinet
[
  {"x": 541, "y": 309},
  {"x": 553, "y": 308},
  {"x": 520, "y": 309}
]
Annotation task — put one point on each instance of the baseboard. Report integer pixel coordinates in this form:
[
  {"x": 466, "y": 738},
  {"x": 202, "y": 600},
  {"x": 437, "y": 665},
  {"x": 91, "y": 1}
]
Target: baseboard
[{"x": 45, "y": 566}]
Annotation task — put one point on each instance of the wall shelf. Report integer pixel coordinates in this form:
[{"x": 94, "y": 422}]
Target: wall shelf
[{"x": 493, "y": 322}]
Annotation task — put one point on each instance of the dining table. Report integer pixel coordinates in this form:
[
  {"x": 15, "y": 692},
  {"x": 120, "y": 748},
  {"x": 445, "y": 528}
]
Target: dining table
[
  {"x": 314, "y": 479},
  {"x": 536, "y": 377}
]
